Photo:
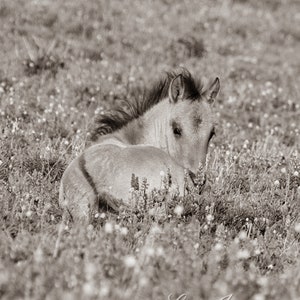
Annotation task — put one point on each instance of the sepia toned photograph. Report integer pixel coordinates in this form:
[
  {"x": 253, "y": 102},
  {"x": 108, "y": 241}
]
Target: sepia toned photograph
[{"x": 150, "y": 149}]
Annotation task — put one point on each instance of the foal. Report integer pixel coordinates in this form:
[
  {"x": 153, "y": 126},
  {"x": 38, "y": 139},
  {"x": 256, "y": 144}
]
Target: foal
[{"x": 169, "y": 129}]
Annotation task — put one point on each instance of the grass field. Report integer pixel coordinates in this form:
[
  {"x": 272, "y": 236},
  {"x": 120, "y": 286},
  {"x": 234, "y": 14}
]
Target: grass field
[{"x": 64, "y": 62}]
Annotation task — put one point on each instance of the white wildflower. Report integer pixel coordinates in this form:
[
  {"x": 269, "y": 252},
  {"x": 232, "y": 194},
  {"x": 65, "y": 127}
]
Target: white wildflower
[
  {"x": 209, "y": 218},
  {"x": 88, "y": 289},
  {"x": 155, "y": 230},
  {"x": 243, "y": 254},
  {"x": 277, "y": 183},
  {"x": 178, "y": 210},
  {"x": 90, "y": 227},
  {"x": 150, "y": 251},
  {"x": 242, "y": 235},
  {"x": 196, "y": 246},
  {"x": 160, "y": 251},
  {"x": 124, "y": 231},
  {"x": 129, "y": 261},
  {"x": 38, "y": 255},
  {"x": 143, "y": 281},
  {"x": 28, "y": 213},
  {"x": 108, "y": 228},
  {"x": 218, "y": 246},
  {"x": 259, "y": 297},
  {"x": 104, "y": 291},
  {"x": 297, "y": 227},
  {"x": 283, "y": 170}
]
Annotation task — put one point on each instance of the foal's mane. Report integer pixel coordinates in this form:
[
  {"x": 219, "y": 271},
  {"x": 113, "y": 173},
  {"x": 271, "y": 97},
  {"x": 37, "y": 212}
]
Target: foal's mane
[{"x": 120, "y": 116}]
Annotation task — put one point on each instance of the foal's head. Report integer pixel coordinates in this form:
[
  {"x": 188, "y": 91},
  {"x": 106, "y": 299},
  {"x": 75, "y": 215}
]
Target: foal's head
[{"x": 190, "y": 120}]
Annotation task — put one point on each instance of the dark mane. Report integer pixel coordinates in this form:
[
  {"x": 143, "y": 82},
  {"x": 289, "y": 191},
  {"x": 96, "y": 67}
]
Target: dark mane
[{"x": 121, "y": 116}]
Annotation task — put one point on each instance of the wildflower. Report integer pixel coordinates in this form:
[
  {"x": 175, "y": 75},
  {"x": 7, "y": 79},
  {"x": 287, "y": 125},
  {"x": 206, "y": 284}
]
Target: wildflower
[
  {"x": 150, "y": 251},
  {"x": 262, "y": 281},
  {"x": 277, "y": 183},
  {"x": 102, "y": 216},
  {"x": 296, "y": 173},
  {"x": 129, "y": 261},
  {"x": 38, "y": 255},
  {"x": 209, "y": 218},
  {"x": 259, "y": 297},
  {"x": 160, "y": 251},
  {"x": 123, "y": 231},
  {"x": 155, "y": 230},
  {"x": 257, "y": 251},
  {"x": 104, "y": 291},
  {"x": 143, "y": 281},
  {"x": 243, "y": 254},
  {"x": 270, "y": 267},
  {"x": 90, "y": 227},
  {"x": 28, "y": 213},
  {"x": 283, "y": 170},
  {"x": 231, "y": 99},
  {"x": 178, "y": 210},
  {"x": 108, "y": 228},
  {"x": 162, "y": 173},
  {"x": 96, "y": 216},
  {"x": 196, "y": 246},
  {"x": 88, "y": 288},
  {"x": 242, "y": 235},
  {"x": 218, "y": 246},
  {"x": 90, "y": 270},
  {"x": 297, "y": 227}
]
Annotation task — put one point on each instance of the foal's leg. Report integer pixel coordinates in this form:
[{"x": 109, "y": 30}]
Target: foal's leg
[{"x": 76, "y": 195}]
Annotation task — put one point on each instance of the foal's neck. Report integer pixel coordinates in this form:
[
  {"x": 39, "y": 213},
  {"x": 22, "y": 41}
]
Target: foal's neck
[{"x": 149, "y": 129}]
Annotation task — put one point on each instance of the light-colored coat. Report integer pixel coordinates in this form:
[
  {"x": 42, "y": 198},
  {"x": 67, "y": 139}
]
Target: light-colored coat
[{"x": 172, "y": 134}]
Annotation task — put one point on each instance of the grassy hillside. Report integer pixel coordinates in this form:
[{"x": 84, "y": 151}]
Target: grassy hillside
[{"x": 64, "y": 62}]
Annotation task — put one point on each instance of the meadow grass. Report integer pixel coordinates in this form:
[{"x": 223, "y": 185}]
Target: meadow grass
[{"x": 65, "y": 62}]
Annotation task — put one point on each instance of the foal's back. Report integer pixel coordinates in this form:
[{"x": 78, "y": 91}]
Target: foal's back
[{"x": 112, "y": 167}]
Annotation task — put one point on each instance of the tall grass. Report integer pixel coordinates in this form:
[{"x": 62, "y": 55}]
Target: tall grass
[{"x": 63, "y": 63}]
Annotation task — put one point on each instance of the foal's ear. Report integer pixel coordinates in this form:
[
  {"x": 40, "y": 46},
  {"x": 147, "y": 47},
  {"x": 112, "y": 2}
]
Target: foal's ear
[
  {"x": 176, "y": 89},
  {"x": 211, "y": 93}
]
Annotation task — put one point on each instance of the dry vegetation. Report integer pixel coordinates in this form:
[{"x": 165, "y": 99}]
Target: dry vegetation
[{"x": 64, "y": 62}]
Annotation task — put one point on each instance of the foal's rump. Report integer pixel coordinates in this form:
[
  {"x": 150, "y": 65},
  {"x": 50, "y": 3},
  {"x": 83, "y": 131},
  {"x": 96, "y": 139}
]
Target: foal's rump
[{"x": 104, "y": 172}]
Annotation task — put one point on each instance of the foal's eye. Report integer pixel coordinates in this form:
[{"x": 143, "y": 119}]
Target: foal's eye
[{"x": 177, "y": 131}]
